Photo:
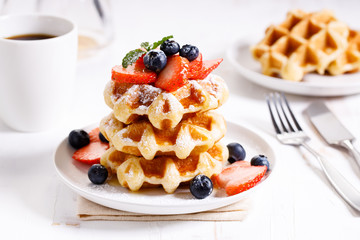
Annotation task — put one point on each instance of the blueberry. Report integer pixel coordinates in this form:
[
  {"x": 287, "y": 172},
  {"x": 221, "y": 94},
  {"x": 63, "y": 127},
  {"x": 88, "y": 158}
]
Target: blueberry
[
  {"x": 201, "y": 186},
  {"x": 260, "y": 160},
  {"x": 236, "y": 152},
  {"x": 155, "y": 60},
  {"x": 189, "y": 51},
  {"x": 78, "y": 138},
  {"x": 170, "y": 47},
  {"x": 102, "y": 138},
  {"x": 97, "y": 174}
]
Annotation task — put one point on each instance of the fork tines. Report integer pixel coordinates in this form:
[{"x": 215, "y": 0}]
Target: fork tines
[{"x": 274, "y": 100}]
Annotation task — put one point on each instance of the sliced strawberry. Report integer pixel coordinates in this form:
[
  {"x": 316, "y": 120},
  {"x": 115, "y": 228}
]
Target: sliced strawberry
[
  {"x": 207, "y": 67},
  {"x": 133, "y": 74},
  {"x": 139, "y": 64},
  {"x": 195, "y": 65},
  {"x": 174, "y": 75},
  {"x": 91, "y": 153},
  {"x": 239, "y": 176}
]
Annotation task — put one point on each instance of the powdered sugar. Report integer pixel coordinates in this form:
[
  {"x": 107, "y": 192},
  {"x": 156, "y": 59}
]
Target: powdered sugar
[
  {"x": 198, "y": 90},
  {"x": 144, "y": 93},
  {"x": 171, "y": 101},
  {"x": 148, "y": 93},
  {"x": 214, "y": 90}
]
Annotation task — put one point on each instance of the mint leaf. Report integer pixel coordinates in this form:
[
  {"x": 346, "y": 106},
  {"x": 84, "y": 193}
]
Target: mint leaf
[
  {"x": 145, "y": 45},
  {"x": 134, "y": 55},
  {"x": 158, "y": 43},
  {"x": 131, "y": 57}
]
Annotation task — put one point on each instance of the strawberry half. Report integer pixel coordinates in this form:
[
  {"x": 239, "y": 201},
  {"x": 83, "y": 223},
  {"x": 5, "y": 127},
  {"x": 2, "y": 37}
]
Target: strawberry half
[
  {"x": 91, "y": 153},
  {"x": 239, "y": 176},
  {"x": 207, "y": 67},
  {"x": 135, "y": 73},
  {"x": 174, "y": 75}
]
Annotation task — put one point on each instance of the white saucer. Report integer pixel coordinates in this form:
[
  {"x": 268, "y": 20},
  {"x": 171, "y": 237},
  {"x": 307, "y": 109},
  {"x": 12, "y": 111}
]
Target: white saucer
[
  {"x": 155, "y": 200},
  {"x": 313, "y": 84}
]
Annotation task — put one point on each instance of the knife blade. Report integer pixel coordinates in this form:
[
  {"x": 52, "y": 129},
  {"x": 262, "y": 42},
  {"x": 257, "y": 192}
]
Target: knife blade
[{"x": 331, "y": 129}]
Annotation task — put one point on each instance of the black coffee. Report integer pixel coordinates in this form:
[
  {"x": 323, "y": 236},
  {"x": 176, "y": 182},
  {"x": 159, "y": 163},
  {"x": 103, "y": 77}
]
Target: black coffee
[{"x": 35, "y": 36}]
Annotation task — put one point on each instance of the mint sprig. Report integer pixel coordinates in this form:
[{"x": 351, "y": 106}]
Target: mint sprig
[
  {"x": 134, "y": 55},
  {"x": 158, "y": 43},
  {"x": 146, "y": 45},
  {"x": 131, "y": 57}
]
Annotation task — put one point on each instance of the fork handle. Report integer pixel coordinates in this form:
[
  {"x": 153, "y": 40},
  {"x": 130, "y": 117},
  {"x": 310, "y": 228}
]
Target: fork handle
[{"x": 347, "y": 191}]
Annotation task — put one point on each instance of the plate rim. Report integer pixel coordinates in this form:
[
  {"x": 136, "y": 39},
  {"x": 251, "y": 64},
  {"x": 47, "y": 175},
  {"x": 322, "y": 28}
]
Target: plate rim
[
  {"x": 287, "y": 86},
  {"x": 195, "y": 203}
]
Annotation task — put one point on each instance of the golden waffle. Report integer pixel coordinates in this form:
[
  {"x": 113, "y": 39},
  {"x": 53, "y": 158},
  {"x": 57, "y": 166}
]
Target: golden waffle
[
  {"x": 164, "y": 109},
  {"x": 304, "y": 42},
  {"x": 191, "y": 136},
  {"x": 349, "y": 61},
  {"x": 133, "y": 172}
]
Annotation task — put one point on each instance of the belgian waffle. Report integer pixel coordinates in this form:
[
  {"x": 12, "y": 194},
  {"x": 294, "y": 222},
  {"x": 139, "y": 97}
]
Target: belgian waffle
[
  {"x": 191, "y": 136},
  {"x": 304, "y": 42},
  {"x": 134, "y": 172},
  {"x": 164, "y": 109},
  {"x": 349, "y": 61}
]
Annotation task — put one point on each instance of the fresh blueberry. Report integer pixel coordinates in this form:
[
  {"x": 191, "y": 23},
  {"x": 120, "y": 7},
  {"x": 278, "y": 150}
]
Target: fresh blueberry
[
  {"x": 189, "y": 51},
  {"x": 260, "y": 160},
  {"x": 97, "y": 174},
  {"x": 236, "y": 152},
  {"x": 201, "y": 186},
  {"x": 155, "y": 60},
  {"x": 170, "y": 47},
  {"x": 78, "y": 138},
  {"x": 102, "y": 138}
]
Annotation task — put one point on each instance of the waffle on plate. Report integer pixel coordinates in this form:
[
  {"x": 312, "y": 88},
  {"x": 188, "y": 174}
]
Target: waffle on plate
[
  {"x": 164, "y": 109},
  {"x": 169, "y": 171},
  {"x": 303, "y": 43}
]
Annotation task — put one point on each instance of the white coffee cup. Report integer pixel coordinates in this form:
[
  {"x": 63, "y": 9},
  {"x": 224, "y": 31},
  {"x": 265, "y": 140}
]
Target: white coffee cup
[{"x": 36, "y": 76}]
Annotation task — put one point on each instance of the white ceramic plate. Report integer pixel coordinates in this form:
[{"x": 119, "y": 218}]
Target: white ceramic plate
[
  {"x": 313, "y": 84},
  {"x": 155, "y": 200}
]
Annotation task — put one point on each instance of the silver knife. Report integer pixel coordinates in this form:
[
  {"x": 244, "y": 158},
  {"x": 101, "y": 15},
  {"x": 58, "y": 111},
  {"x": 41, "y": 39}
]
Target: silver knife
[{"x": 331, "y": 129}]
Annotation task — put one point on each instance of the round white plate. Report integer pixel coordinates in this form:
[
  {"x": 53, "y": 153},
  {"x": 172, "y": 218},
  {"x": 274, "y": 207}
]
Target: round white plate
[
  {"x": 155, "y": 200},
  {"x": 312, "y": 85}
]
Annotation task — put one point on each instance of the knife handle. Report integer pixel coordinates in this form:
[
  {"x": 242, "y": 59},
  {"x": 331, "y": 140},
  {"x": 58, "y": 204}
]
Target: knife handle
[
  {"x": 345, "y": 189},
  {"x": 350, "y": 146}
]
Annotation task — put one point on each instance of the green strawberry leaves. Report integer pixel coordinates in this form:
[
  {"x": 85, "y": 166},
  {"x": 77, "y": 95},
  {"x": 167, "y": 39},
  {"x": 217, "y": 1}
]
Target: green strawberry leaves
[{"x": 134, "y": 55}]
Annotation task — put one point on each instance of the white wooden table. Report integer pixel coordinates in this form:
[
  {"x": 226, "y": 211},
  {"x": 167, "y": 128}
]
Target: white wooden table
[{"x": 297, "y": 204}]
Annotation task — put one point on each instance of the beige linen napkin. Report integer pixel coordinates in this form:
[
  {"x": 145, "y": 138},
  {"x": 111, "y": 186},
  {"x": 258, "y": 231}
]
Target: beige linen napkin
[{"x": 88, "y": 210}]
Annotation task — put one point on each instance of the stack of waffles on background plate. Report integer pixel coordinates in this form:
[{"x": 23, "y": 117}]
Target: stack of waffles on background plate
[
  {"x": 164, "y": 138},
  {"x": 308, "y": 42}
]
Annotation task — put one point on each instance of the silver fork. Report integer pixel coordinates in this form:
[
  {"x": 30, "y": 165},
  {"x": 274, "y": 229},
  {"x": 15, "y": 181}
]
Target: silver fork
[{"x": 288, "y": 131}]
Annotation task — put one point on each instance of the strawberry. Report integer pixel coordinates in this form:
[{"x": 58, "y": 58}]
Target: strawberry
[
  {"x": 195, "y": 65},
  {"x": 136, "y": 73},
  {"x": 91, "y": 153},
  {"x": 239, "y": 176},
  {"x": 207, "y": 67},
  {"x": 174, "y": 75},
  {"x": 94, "y": 135},
  {"x": 139, "y": 64}
]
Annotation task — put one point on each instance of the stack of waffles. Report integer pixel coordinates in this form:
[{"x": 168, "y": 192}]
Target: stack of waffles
[
  {"x": 164, "y": 138},
  {"x": 308, "y": 42}
]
